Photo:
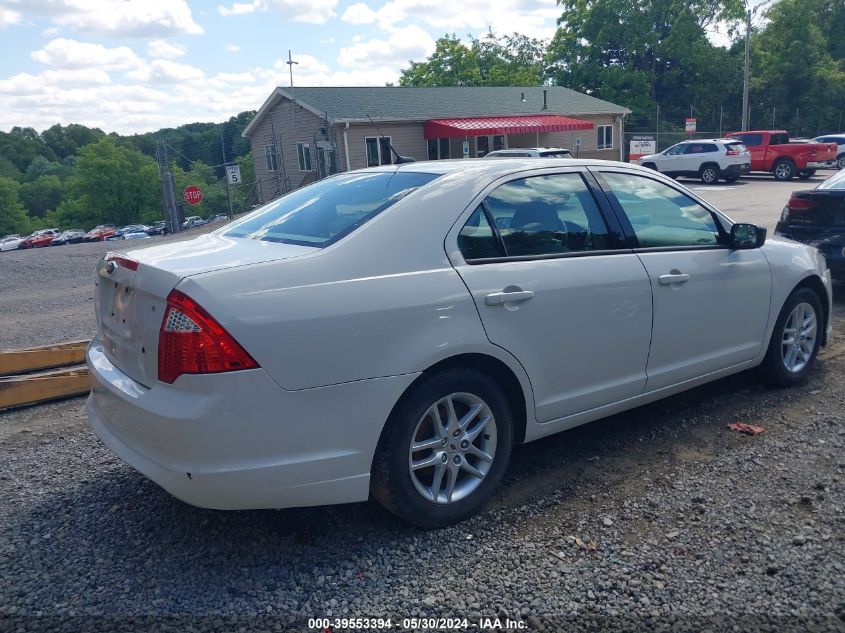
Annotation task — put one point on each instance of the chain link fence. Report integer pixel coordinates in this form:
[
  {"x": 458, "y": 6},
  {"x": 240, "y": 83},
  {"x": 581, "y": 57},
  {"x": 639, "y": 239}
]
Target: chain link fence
[{"x": 666, "y": 126}]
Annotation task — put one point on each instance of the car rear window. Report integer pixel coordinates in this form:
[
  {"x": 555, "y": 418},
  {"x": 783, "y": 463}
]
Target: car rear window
[
  {"x": 326, "y": 211},
  {"x": 555, "y": 154}
]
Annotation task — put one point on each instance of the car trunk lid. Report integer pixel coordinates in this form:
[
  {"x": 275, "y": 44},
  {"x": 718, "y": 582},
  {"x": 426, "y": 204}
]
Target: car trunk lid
[{"x": 132, "y": 290}]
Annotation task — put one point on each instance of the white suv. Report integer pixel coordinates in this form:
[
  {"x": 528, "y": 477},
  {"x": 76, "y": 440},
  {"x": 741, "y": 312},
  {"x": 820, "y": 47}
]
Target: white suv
[
  {"x": 531, "y": 152},
  {"x": 708, "y": 159},
  {"x": 839, "y": 139}
]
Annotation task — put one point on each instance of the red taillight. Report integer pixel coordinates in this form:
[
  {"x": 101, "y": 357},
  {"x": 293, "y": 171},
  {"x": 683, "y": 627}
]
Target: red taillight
[
  {"x": 191, "y": 341},
  {"x": 120, "y": 260},
  {"x": 733, "y": 152},
  {"x": 799, "y": 204}
]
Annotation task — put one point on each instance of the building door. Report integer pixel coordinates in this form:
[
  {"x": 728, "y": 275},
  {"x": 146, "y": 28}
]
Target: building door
[{"x": 482, "y": 146}]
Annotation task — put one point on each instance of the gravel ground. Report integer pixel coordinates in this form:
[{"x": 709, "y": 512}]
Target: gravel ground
[
  {"x": 658, "y": 519},
  {"x": 47, "y": 294}
]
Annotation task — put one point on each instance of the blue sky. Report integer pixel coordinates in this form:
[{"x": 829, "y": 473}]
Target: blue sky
[{"x": 138, "y": 65}]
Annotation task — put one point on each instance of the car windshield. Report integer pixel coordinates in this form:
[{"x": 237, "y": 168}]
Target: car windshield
[
  {"x": 836, "y": 182},
  {"x": 555, "y": 155},
  {"x": 324, "y": 212}
]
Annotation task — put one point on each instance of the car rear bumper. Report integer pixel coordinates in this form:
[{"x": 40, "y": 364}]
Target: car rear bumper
[
  {"x": 821, "y": 164},
  {"x": 237, "y": 440},
  {"x": 737, "y": 170}
]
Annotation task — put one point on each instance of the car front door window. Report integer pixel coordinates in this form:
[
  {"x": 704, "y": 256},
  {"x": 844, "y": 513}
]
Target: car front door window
[{"x": 660, "y": 215}]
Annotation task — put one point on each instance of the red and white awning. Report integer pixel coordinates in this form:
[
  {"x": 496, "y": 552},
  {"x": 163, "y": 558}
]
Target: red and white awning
[{"x": 515, "y": 124}]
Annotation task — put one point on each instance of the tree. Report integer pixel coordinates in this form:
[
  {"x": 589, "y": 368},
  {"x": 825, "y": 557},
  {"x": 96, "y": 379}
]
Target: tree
[
  {"x": 110, "y": 183},
  {"x": 42, "y": 195},
  {"x": 796, "y": 69},
  {"x": 12, "y": 215},
  {"x": 641, "y": 53},
  {"x": 510, "y": 60},
  {"x": 65, "y": 141}
]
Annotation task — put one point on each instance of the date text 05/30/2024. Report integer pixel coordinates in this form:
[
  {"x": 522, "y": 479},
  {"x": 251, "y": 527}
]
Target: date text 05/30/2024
[{"x": 338, "y": 625}]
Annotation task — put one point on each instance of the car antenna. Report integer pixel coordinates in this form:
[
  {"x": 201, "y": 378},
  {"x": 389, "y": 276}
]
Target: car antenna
[{"x": 399, "y": 159}]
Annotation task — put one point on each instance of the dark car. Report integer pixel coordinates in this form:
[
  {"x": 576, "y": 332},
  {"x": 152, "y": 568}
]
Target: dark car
[
  {"x": 158, "y": 228},
  {"x": 71, "y": 236},
  {"x": 817, "y": 217}
]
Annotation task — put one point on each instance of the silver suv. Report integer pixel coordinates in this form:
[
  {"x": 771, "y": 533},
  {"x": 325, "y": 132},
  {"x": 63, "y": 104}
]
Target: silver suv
[
  {"x": 708, "y": 159},
  {"x": 531, "y": 152}
]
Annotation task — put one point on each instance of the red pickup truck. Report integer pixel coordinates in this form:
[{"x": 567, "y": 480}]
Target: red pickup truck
[{"x": 773, "y": 152}]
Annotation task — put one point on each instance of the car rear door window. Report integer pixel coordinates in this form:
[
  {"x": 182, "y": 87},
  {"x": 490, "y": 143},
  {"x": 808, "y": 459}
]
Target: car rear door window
[
  {"x": 547, "y": 215},
  {"x": 660, "y": 215},
  {"x": 477, "y": 240}
]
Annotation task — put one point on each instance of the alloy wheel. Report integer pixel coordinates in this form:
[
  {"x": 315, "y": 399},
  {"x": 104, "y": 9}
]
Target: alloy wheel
[
  {"x": 840, "y": 162},
  {"x": 783, "y": 171},
  {"x": 452, "y": 448},
  {"x": 799, "y": 338},
  {"x": 709, "y": 175}
]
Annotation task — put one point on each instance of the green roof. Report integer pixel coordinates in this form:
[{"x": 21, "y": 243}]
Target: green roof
[{"x": 418, "y": 104}]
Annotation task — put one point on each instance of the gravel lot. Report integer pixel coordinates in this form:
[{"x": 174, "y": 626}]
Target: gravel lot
[{"x": 656, "y": 519}]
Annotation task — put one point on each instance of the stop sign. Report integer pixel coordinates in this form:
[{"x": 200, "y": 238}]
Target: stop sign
[{"x": 192, "y": 194}]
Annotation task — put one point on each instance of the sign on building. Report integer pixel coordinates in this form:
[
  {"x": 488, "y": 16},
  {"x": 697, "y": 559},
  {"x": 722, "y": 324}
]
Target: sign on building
[
  {"x": 642, "y": 145},
  {"x": 690, "y": 126},
  {"x": 233, "y": 174}
]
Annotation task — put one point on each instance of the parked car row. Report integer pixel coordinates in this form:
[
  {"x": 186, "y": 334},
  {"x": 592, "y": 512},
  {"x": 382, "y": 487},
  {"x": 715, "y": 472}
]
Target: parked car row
[
  {"x": 195, "y": 220},
  {"x": 739, "y": 153}
]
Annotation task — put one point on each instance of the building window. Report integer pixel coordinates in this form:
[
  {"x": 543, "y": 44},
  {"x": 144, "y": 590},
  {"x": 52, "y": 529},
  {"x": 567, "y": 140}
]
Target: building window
[
  {"x": 303, "y": 155},
  {"x": 438, "y": 148},
  {"x": 270, "y": 157},
  {"x": 482, "y": 146},
  {"x": 498, "y": 142},
  {"x": 378, "y": 151},
  {"x": 605, "y": 139}
]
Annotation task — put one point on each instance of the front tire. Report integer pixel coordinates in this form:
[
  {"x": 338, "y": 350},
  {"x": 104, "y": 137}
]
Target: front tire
[
  {"x": 444, "y": 449},
  {"x": 840, "y": 161},
  {"x": 795, "y": 339},
  {"x": 784, "y": 169},
  {"x": 709, "y": 174}
]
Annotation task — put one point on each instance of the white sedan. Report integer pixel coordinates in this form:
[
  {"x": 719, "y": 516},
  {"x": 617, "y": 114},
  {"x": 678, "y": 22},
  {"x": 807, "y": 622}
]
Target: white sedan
[
  {"x": 393, "y": 331},
  {"x": 11, "y": 243}
]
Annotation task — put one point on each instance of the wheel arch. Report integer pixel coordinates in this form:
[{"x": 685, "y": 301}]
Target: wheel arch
[
  {"x": 814, "y": 283},
  {"x": 516, "y": 388}
]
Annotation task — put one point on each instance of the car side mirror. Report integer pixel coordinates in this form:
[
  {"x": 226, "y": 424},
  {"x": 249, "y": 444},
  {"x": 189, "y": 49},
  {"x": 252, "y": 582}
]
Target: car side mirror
[{"x": 744, "y": 236}]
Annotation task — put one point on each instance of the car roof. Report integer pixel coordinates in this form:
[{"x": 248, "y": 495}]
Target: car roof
[{"x": 492, "y": 168}]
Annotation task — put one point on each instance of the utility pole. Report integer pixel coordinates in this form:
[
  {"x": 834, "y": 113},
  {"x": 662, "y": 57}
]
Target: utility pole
[
  {"x": 226, "y": 175},
  {"x": 745, "y": 71},
  {"x": 657, "y": 130},
  {"x": 290, "y": 64},
  {"x": 169, "y": 195}
]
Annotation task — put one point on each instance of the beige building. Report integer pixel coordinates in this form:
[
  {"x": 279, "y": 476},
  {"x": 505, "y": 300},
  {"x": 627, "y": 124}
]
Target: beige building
[{"x": 301, "y": 135}]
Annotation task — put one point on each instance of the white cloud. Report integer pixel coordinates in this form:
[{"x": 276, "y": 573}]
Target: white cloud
[
  {"x": 410, "y": 42},
  {"x": 165, "y": 71},
  {"x": 313, "y": 11},
  {"x": 67, "y": 53},
  {"x": 239, "y": 8},
  {"x": 359, "y": 13},
  {"x": 133, "y": 18},
  {"x": 162, "y": 49},
  {"x": 233, "y": 48},
  {"x": 9, "y": 17}
]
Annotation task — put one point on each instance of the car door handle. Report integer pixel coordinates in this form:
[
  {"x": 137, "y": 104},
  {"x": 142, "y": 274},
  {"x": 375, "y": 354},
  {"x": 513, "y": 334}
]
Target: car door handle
[
  {"x": 500, "y": 298},
  {"x": 673, "y": 278}
]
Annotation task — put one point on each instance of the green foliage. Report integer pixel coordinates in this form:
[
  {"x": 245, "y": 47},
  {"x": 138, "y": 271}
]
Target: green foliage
[
  {"x": 13, "y": 218},
  {"x": 798, "y": 63},
  {"x": 510, "y": 60},
  {"x": 42, "y": 194},
  {"x": 110, "y": 183},
  {"x": 645, "y": 52}
]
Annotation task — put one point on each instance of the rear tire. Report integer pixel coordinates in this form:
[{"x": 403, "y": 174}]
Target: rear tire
[
  {"x": 795, "y": 339},
  {"x": 438, "y": 484},
  {"x": 784, "y": 169},
  {"x": 807, "y": 173},
  {"x": 840, "y": 161},
  {"x": 731, "y": 178},
  {"x": 709, "y": 174},
  {"x": 650, "y": 166}
]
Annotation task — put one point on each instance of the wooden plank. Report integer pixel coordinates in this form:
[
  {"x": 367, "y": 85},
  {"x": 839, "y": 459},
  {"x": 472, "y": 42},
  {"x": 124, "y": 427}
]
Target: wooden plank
[
  {"x": 24, "y": 360},
  {"x": 17, "y": 391}
]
